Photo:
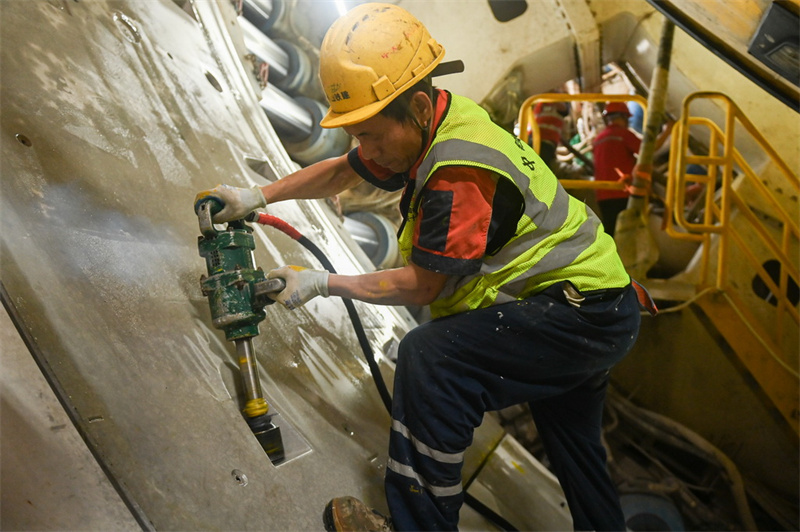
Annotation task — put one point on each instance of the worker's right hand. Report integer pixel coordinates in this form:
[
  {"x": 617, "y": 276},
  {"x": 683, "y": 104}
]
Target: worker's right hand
[{"x": 237, "y": 202}]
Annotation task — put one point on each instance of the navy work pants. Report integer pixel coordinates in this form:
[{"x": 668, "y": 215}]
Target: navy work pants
[{"x": 542, "y": 350}]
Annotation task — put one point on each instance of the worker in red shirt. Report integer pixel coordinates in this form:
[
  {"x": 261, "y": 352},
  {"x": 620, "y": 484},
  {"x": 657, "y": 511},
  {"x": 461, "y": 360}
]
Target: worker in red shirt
[
  {"x": 550, "y": 119},
  {"x": 615, "y": 151}
]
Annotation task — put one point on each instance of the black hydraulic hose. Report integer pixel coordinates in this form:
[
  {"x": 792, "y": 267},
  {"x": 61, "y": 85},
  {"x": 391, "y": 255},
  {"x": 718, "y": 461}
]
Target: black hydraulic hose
[{"x": 277, "y": 223}]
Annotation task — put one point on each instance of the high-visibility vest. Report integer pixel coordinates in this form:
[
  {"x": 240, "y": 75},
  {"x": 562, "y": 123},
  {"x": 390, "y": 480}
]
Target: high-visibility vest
[{"x": 558, "y": 238}]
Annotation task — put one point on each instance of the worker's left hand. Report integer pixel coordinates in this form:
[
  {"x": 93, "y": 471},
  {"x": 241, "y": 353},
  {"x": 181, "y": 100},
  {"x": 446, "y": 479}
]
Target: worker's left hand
[
  {"x": 302, "y": 285},
  {"x": 236, "y": 202}
]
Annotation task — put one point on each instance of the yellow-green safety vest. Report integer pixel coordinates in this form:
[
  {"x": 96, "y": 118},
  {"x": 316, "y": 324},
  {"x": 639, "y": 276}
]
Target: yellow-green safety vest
[{"x": 557, "y": 238}]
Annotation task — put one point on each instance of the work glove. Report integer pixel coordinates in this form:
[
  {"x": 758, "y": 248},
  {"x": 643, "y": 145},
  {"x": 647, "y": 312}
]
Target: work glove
[
  {"x": 302, "y": 285},
  {"x": 237, "y": 202}
]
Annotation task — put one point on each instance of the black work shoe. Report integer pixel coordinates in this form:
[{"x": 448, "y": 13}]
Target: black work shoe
[{"x": 348, "y": 514}]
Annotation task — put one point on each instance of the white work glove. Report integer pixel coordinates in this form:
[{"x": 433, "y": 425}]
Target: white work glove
[
  {"x": 237, "y": 202},
  {"x": 302, "y": 285}
]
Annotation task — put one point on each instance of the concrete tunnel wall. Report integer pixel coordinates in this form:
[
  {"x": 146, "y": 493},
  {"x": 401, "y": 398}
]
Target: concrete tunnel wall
[
  {"x": 111, "y": 123},
  {"x": 114, "y": 114}
]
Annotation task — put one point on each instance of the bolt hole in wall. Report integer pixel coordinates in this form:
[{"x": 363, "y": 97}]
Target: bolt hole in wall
[
  {"x": 22, "y": 139},
  {"x": 239, "y": 477},
  {"x": 214, "y": 83}
]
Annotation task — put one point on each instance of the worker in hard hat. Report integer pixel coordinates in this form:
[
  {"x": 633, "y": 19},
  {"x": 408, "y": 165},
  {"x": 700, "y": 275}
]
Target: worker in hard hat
[
  {"x": 529, "y": 299},
  {"x": 615, "y": 151},
  {"x": 549, "y": 117}
]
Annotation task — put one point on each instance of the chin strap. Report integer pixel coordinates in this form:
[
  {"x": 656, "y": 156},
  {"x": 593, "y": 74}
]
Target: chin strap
[{"x": 425, "y": 130}]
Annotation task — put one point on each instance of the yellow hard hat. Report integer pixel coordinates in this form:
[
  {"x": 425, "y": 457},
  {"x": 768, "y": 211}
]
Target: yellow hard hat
[{"x": 371, "y": 55}]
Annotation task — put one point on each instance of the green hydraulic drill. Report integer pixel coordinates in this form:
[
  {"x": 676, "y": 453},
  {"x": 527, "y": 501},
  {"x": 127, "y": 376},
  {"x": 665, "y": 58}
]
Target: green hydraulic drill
[{"x": 237, "y": 294}]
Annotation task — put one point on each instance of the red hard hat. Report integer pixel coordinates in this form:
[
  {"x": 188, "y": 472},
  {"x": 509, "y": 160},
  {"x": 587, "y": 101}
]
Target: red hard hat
[{"x": 616, "y": 107}]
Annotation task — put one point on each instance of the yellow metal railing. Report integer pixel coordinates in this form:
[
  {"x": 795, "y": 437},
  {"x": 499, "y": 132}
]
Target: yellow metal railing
[
  {"x": 721, "y": 162},
  {"x": 529, "y": 129},
  {"x": 726, "y": 173},
  {"x": 709, "y": 221}
]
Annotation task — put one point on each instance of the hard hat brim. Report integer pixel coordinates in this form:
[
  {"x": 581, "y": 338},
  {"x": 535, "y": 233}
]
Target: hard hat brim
[{"x": 333, "y": 120}]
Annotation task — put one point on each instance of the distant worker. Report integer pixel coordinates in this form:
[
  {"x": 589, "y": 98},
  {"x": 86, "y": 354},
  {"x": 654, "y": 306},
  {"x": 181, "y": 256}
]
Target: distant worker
[
  {"x": 529, "y": 299},
  {"x": 615, "y": 151},
  {"x": 550, "y": 119}
]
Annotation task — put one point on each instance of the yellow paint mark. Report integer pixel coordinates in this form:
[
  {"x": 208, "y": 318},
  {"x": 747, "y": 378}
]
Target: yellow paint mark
[
  {"x": 256, "y": 407},
  {"x": 518, "y": 467}
]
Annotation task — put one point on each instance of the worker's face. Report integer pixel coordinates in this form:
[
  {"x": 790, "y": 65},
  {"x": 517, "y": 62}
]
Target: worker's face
[
  {"x": 389, "y": 143},
  {"x": 619, "y": 120}
]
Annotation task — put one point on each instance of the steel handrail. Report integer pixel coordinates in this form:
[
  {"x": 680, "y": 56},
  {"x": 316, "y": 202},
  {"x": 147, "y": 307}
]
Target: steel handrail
[
  {"x": 711, "y": 161},
  {"x": 718, "y": 206}
]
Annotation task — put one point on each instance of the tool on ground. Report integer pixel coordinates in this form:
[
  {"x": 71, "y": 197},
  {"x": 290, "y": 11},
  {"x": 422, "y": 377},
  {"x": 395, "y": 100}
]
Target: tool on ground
[{"x": 237, "y": 294}]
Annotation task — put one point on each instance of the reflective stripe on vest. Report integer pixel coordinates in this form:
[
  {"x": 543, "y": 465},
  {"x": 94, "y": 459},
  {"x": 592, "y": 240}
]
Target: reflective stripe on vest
[{"x": 557, "y": 237}]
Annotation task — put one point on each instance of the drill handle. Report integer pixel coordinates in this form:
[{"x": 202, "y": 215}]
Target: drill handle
[
  {"x": 269, "y": 286},
  {"x": 205, "y": 209}
]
